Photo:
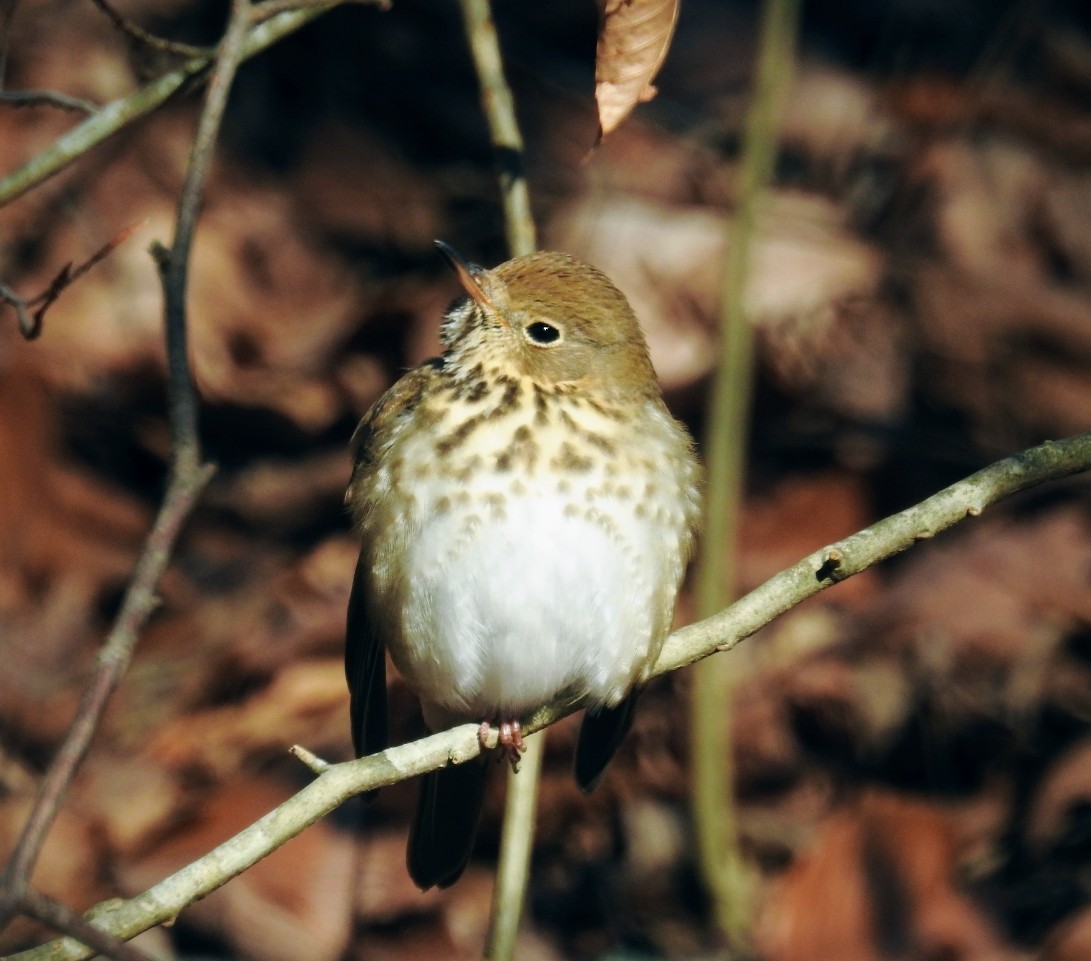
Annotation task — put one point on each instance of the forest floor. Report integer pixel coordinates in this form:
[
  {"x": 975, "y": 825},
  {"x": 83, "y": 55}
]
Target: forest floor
[{"x": 912, "y": 748}]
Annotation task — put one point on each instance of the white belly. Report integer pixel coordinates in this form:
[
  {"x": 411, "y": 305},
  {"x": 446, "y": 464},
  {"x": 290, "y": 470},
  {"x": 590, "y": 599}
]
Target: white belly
[{"x": 506, "y": 605}]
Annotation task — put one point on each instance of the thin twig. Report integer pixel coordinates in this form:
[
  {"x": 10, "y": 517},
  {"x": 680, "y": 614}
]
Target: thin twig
[
  {"x": 724, "y": 870},
  {"x": 499, "y": 109},
  {"x": 48, "y": 98},
  {"x": 313, "y": 761},
  {"x": 174, "y": 263},
  {"x": 814, "y": 573},
  {"x": 30, "y": 325},
  {"x": 62, "y": 918},
  {"x": 113, "y": 660},
  {"x": 31, "y": 98},
  {"x": 140, "y": 35},
  {"x": 26, "y": 322},
  {"x": 121, "y": 113}
]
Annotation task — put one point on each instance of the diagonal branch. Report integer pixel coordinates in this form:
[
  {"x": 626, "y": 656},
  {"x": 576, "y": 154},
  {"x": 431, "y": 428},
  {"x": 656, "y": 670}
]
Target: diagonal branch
[
  {"x": 63, "y": 918},
  {"x": 121, "y": 113},
  {"x": 338, "y": 782},
  {"x": 30, "y": 325},
  {"x": 136, "y": 32},
  {"x": 47, "y": 98}
]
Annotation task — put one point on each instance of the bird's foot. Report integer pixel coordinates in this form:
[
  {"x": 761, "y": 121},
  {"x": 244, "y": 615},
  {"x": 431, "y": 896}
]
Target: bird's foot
[{"x": 510, "y": 740}]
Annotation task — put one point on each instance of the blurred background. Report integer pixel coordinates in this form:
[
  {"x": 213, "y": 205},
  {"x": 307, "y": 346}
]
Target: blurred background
[{"x": 912, "y": 748}]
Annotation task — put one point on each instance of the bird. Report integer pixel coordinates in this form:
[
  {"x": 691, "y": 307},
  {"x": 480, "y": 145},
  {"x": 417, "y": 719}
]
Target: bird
[{"x": 527, "y": 508}]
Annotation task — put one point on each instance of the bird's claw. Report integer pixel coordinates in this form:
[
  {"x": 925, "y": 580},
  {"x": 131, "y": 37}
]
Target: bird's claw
[{"x": 509, "y": 740}]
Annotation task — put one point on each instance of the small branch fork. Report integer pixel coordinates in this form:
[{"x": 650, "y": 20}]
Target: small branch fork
[
  {"x": 30, "y": 324},
  {"x": 723, "y": 631}
]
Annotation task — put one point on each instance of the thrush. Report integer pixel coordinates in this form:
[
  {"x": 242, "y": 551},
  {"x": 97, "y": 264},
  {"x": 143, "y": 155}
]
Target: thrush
[{"x": 527, "y": 507}]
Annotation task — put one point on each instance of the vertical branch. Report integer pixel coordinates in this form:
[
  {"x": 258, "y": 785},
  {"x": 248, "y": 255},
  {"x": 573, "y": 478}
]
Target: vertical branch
[
  {"x": 187, "y": 479},
  {"x": 174, "y": 263},
  {"x": 721, "y": 862},
  {"x": 516, "y": 847},
  {"x": 499, "y": 108},
  {"x": 498, "y": 105}
]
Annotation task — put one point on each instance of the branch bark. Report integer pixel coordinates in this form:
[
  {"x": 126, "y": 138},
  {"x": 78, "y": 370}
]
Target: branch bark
[
  {"x": 817, "y": 571},
  {"x": 498, "y": 105}
]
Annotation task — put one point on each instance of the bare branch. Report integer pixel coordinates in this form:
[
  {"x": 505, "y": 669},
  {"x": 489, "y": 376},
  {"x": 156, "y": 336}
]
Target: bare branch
[
  {"x": 313, "y": 761},
  {"x": 139, "y": 34},
  {"x": 499, "y": 109},
  {"x": 30, "y": 325},
  {"x": 47, "y": 98},
  {"x": 63, "y": 918},
  {"x": 174, "y": 263},
  {"x": 26, "y": 323},
  {"x": 816, "y": 572},
  {"x": 121, "y": 113}
]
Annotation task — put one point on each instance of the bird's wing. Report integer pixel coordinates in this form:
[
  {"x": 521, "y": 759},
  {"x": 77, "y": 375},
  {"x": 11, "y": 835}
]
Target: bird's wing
[
  {"x": 441, "y": 839},
  {"x": 601, "y": 733},
  {"x": 365, "y": 670},
  {"x": 365, "y": 648}
]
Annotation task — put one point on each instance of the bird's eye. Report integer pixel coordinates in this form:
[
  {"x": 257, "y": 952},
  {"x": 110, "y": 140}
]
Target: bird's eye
[{"x": 543, "y": 333}]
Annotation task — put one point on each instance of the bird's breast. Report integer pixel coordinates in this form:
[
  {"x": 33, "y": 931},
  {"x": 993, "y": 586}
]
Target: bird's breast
[{"x": 518, "y": 562}]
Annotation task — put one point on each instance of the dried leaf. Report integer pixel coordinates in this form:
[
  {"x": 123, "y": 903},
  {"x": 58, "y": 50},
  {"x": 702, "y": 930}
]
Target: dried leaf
[
  {"x": 634, "y": 37},
  {"x": 886, "y": 858}
]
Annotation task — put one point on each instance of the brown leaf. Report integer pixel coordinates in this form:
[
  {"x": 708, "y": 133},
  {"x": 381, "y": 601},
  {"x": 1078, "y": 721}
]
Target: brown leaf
[
  {"x": 634, "y": 37},
  {"x": 882, "y": 865}
]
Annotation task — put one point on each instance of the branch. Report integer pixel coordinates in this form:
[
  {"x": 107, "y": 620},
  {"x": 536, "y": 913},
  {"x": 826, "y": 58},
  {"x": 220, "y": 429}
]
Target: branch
[
  {"x": 728, "y": 881},
  {"x": 816, "y": 572},
  {"x": 174, "y": 263},
  {"x": 499, "y": 109},
  {"x": 120, "y": 113},
  {"x": 48, "y": 98},
  {"x": 140, "y": 35},
  {"x": 63, "y": 918},
  {"x": 30, "y": 325}
]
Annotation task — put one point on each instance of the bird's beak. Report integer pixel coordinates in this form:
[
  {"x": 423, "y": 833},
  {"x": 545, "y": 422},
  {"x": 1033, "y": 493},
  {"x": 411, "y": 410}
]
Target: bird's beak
[{"x": 469, "y": 275}]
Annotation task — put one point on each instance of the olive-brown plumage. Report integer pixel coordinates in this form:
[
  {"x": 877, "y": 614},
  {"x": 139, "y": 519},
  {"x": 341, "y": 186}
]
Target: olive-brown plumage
[{"x": 527, "y": 507}]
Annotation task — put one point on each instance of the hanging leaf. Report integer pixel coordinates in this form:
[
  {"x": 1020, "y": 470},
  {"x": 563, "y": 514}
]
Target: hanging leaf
[{"x": 634, "y": 37}]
